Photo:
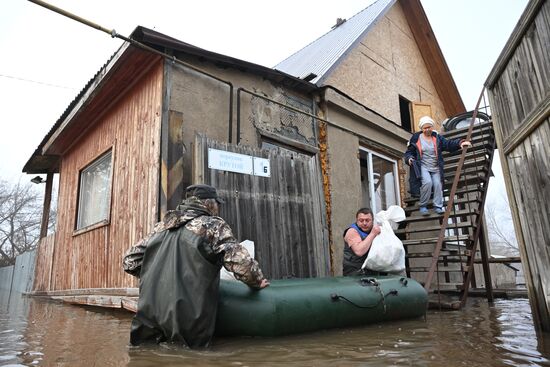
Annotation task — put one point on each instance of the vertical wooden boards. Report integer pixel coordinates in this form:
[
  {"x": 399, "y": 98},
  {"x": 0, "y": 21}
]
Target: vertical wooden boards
[
  {"x": 130, "y": 128},
  {"x": 283, "y": 214},
  {"x": 520, "y": 104}
]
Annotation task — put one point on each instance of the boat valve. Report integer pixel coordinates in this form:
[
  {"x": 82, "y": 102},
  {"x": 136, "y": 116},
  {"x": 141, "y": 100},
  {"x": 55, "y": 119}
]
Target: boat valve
[
  {"x": 404, "y": 281},
  {"x": 334, "y": 297},
  {"x": 392, "y": 292},
  {"x": 368, "y": 281}
]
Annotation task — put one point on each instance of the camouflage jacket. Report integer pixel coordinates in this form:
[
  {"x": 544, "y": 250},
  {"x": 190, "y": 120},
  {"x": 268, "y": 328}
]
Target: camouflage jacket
[{"x": 194, "y": 216}]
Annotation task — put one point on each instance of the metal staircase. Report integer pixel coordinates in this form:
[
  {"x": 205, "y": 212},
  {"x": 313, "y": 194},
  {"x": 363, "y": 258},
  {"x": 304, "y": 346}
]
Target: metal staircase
[{"x": 441, "y": 249}]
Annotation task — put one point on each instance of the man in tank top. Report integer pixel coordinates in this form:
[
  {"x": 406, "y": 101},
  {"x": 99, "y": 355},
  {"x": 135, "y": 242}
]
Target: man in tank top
[{"x": 358, "y": 239}]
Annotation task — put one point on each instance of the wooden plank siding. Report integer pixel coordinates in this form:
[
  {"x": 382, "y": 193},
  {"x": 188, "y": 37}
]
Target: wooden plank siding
[
  {"x": 519, "y": 94},
  {"x": 525, "y": 82},
  {"x": 131, "y": 128}
]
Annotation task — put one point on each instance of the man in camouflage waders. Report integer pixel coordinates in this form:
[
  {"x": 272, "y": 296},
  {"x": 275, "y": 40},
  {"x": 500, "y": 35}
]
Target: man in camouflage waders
[{"x": 178, "y": 265}]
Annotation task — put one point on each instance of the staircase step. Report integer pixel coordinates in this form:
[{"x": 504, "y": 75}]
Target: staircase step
[
  {"x": 440, "y": 269},
  {"x": 462, "y": 189},
  {"x": 444, "y": 286},
  {"x": 472, "y": 155},
  {"x": 433, "y": 216},
  {"x": 471, "y": 201},
  {"x": 479, "y": 148},
  {"x": 442, "y": 253},
  {"x": 471, "y": 175},
  {"x": 464, "y": 181},
  {"x": 477, "y": 141},
  {"x": 467, "y": 165},
  {"x": 479, "y": 129},
  {"x": 433, "y": 240},
  {"x": 458, "y": 260},
  {"x": 433, "y": 228}
]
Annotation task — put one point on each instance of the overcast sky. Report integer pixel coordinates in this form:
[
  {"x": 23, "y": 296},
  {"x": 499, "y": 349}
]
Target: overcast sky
[{"x": 46, "y": 58}]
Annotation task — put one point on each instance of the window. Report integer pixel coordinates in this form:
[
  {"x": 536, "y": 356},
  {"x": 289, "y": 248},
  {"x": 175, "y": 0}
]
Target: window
[
  {"x": 405, "y": 111},
  {"x": 95, "y": 192},
  {"x": 379, "y": 180}
]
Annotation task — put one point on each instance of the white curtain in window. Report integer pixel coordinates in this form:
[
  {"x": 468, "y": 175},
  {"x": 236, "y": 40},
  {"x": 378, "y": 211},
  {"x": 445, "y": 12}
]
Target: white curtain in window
[
  {"x": 95, "y": 192},
  {"x": 378, "y": 181}
]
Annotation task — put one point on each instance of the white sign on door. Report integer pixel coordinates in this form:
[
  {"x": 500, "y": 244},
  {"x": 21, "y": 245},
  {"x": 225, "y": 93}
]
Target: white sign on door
[
  {"x": 240, "y": 163},
  {"x": 228, "y": 161},
  {"x": 261, "y": 167}
]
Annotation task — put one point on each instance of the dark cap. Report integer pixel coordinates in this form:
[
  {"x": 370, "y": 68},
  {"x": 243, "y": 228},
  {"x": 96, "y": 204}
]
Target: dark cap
[{"x": 203, "y": 192}]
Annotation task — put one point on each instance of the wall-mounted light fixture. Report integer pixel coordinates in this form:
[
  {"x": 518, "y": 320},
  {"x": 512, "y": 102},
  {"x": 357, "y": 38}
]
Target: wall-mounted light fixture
[{"x": 38, "y": 180}]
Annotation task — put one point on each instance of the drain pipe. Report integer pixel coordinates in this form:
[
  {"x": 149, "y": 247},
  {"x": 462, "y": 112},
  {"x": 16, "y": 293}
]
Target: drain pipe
[{"x": 143, "y": 46}]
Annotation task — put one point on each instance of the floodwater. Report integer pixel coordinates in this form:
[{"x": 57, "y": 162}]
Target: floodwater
[{"x": 38, "y": 332}]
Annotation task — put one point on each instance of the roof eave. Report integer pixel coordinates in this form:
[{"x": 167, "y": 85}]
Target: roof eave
[
  {"x": 156, "y": 39},
  {"x": 47, "y": 148},
  {"x": 86, "y": 97},
  {"x": 433, "y": 57}
]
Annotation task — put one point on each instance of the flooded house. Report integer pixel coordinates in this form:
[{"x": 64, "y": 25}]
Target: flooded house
[
  {"x": 519, "y": 93},
  {"x": 294, "y": 151}
]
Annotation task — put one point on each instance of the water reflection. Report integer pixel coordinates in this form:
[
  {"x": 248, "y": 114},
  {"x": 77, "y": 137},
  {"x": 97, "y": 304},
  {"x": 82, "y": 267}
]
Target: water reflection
[{"x": 42, "y": 333}]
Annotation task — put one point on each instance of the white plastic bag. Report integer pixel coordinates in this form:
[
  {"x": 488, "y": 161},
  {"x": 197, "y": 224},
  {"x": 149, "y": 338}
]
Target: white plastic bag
[
  {"x": 227, "y": 275},
  {"x": 387, "y": 253}
]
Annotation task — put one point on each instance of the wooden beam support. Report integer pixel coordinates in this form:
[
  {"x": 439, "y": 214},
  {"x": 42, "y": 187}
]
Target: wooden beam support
[{"x": 46, "y": 206}]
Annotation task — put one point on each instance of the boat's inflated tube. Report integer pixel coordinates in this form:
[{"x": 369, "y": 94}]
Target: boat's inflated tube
[{"x": 299, "y": 305}]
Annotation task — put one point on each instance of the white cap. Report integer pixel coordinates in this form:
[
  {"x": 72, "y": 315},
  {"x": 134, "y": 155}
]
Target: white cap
[{"x": 425, "y": 120}]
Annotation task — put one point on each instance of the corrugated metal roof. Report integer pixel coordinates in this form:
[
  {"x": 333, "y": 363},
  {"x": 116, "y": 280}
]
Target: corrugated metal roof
[{"x": 320, "y": 56}]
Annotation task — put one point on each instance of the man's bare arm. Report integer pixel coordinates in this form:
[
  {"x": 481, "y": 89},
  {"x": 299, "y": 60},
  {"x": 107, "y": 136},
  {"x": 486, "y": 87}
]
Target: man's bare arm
[{"x": 358, "y": 246}]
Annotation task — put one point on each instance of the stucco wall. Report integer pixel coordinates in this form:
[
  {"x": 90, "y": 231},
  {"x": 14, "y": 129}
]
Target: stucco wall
[
  {"x": 385, "y": 64},
  {"x": 345, "y": 187},
  {"x": 204, "y": 105}
]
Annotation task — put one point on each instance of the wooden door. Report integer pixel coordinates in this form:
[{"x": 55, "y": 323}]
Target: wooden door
[
  {"x": 420, "y": 109},
  {"x": 284, "y": 214}
]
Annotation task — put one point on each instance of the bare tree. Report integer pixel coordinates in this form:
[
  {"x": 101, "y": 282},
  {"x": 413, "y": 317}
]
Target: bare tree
[
  {"x": 20, "y": 216},
  {"x": 499, "y": 224}
]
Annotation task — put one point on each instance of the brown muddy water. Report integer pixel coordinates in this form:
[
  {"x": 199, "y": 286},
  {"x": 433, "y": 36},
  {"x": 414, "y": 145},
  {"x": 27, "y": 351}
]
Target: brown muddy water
[{"x": 37, "y": 332}]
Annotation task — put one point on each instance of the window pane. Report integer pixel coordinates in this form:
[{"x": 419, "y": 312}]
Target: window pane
[
  {"x": 384, "y": 183},
  {"x": 95, "y": 192},
  {"x": 365, "y": 187}
]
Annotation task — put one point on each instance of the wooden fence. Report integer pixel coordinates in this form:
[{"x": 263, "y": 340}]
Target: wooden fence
[{"x": 43, "y": 267}]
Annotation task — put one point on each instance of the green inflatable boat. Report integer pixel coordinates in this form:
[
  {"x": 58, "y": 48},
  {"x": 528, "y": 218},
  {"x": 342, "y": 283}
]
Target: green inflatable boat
[{"x": 300, "y": 305}]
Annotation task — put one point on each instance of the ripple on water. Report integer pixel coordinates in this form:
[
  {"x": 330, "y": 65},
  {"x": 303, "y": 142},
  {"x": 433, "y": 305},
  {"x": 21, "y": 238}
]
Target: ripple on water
[{"x": 44, "y": 333}]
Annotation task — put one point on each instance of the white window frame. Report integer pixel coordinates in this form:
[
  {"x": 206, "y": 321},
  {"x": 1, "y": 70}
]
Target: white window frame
[
  {"x": 370, "y": 153},
  {"x": 79, "y": 228}
]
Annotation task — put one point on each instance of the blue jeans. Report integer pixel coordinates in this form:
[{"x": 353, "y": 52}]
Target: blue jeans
[{"x": 431, "y": 180}]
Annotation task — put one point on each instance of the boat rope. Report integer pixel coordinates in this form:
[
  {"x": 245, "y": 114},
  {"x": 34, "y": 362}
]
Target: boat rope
[{"x": 394, "y": 292}]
